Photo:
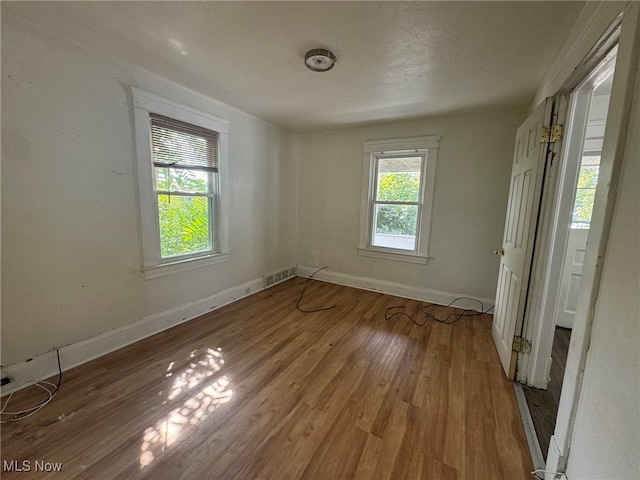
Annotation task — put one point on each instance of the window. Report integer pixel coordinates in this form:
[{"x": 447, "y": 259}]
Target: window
[
  {"x": 397, "y": 198},
  {"x": 590, "y": 162},
  {"x": 181, "y": 159},
  {"x": 396, "y": 201},
  {"x": 185, "y": 161},
  {"x": 585, "y": 192}
]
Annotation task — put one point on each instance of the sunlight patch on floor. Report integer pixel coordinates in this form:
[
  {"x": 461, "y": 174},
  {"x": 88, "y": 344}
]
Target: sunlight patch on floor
[{"x": 203, "y": 398}]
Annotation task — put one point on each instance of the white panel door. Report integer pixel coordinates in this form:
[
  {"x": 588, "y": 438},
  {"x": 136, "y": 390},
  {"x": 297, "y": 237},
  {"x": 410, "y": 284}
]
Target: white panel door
[
  {"x": 571, "y": 277},
  {"x": 516, "y": 252}
]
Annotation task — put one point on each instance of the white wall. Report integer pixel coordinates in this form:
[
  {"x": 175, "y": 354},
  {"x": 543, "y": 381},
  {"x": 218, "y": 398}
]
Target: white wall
[
  {"x": 472, "y": 183},
  {"x": 606, "y": 437},
  {"x": 70, "y": 235}
]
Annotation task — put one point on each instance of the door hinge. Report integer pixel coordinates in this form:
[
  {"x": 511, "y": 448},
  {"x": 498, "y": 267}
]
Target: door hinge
[
  {"x": 551, "y": 133},
  {"x": 521, "y": 345}
]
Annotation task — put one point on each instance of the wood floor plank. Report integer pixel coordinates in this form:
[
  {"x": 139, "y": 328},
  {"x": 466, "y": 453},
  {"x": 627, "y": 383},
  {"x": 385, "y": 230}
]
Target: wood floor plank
[
  {"x": 481, "y": 427},
  {"x": 437, "y": 403},
  {"x": 454, "y": 445},
  {"x": 378, "y": 377},
  {"x": 261, "y": 390},
  {"x": 507, "y": 421},
  {"x": 387, "y": 448},
  {"x": 411, "y": 454},
  {"x": 436, "y": 469},
  {"x": 543, "y": 404},
  {"x": 329, "y": 461},
  {"x": 372, "y": 452}
]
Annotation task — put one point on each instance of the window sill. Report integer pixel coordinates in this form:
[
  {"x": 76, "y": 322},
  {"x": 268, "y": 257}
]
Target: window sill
[
  {"x": 390, "y": 255},
  {"x": 165, "y": 269}
]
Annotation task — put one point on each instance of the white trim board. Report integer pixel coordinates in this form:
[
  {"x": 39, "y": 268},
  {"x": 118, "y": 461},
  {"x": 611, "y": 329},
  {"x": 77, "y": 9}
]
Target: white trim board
[
  {"x": 392, "y": 288},
  {"x": 45, "y": 365},
  {"x": 529, "y": 428}
]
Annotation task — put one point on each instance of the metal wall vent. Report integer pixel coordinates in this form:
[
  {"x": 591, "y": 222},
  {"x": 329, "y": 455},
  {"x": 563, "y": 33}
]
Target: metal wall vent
[{"x": 278, "y": 277}]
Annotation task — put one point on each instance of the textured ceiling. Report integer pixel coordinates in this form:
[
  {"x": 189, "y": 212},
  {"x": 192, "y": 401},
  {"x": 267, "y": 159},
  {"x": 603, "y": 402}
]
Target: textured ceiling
[{"x": 396, "y": 60}]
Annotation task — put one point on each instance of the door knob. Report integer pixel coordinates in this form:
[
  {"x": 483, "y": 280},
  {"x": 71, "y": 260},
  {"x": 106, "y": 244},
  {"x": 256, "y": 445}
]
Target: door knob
[{"x": 499, "y": 251}]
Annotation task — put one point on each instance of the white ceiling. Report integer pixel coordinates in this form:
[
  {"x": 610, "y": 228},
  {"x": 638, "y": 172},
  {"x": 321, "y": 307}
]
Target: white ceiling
[{"x": 396, "y": 60}]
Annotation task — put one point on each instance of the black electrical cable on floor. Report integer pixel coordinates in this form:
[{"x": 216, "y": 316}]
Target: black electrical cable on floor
[
  {"x": 19, "y": 415},
  {"x": 302, "y": 295},
  {"x": 388, "y": 316},
  {"x": 448, "y": 320}
]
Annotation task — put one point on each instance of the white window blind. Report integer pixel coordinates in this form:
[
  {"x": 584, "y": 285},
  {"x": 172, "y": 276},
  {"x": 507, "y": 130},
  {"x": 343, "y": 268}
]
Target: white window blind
[{"x": 177, "y": 144}]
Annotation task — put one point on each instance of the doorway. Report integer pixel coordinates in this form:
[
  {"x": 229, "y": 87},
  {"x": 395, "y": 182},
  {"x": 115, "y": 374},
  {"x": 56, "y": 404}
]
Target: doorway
[{"x": 577, "y": 185}]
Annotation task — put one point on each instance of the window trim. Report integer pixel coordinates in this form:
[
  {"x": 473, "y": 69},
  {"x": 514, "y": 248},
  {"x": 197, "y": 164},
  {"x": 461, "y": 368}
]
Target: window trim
[
  {"x": 153, "y": 265},
  {"x": 372, "y": 150}
]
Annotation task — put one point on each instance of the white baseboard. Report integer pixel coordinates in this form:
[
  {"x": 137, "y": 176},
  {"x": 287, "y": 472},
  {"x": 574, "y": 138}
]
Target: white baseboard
[
  {"x": 391, "y": 288},
  {"x": 529, "y": 428},
  {"x": 555, "y": 460},
  {"x": 45, "y": 365}
]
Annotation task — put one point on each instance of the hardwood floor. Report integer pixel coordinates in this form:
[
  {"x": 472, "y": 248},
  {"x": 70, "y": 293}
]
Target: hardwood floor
[
  {"x": 258, "y": 390},
  {"x": 543, "y": 404}
]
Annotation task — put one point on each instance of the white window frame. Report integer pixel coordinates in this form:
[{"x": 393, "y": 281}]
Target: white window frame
[
  {"x": 153, "y": 265},
  {"x": 426, "y": 146}
]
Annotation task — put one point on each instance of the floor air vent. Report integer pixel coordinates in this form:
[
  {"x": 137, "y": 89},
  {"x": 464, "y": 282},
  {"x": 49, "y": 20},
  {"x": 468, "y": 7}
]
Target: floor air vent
[{"x": 279, "y": 276}]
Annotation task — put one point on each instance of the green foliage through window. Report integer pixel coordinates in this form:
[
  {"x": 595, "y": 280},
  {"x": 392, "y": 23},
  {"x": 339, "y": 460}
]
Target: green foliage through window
[
  {"x": 585, "y": 195},
  {"x": 184, "y": 196},
  {"x": 181, "y": 180},
  {"x": 184, "y": 225},
  {"x": 396, "y": 219},
  {"x": 397, "y": 187}
]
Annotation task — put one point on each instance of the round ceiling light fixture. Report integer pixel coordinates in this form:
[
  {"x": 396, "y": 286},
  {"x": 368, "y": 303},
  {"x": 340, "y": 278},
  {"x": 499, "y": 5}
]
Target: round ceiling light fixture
[{"x": 319, "y": 60}]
